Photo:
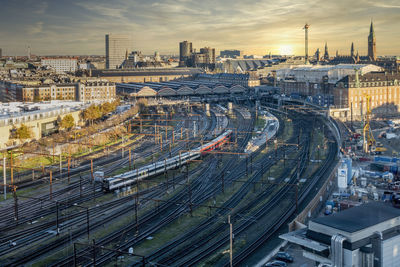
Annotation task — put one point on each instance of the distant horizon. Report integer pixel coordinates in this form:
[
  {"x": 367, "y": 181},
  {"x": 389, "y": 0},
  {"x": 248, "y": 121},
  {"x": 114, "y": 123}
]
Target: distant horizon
[
  {"x": 78, "y": 27},
  {"x": 177, "y": 55}
]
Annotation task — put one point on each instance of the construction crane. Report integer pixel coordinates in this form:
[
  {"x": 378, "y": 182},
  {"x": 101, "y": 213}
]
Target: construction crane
[{"x": 369, "y": 140}]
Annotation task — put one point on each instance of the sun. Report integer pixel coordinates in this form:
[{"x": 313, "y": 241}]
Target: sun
[{"x": 285, "y": 50}]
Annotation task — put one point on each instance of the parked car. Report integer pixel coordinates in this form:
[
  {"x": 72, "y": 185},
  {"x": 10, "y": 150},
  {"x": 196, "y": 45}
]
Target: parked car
[
  {"x": 394, "y": 186},
  {"x": 283, "y": 256},
  {"x": 276, "y": 264}
]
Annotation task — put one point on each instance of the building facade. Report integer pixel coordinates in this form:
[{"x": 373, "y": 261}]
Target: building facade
[
  {"x": 230, "y": 78},
  {"x": 117, "y": 49},
  {"x": 318, "y": 81},
  {"x": 190, "y": 58},
  {"x": 382, "y": 90},
  {"x": 185, "y": 53},
  {"x": 61, "y": 65},
  {"x": 8, "y": 91},
  {"x": 231, "y": 53},
  {"x": 96, "y": 91},
  {"x": 81, "y": 91},
  {"x": 41, "y": 119},
  {"x": 363, "y": 236}
]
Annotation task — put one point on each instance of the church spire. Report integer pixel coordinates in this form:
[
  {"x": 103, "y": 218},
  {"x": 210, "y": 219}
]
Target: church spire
[
  {"x": 371, "y": 29},
  {"x": 326, "y": 54},
  {"x": 352, "y": 50},
  {"x": 372, "y": 43}
]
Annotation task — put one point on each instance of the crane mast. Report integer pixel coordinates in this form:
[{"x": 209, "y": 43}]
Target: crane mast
[{"x": 369, "y": 140}]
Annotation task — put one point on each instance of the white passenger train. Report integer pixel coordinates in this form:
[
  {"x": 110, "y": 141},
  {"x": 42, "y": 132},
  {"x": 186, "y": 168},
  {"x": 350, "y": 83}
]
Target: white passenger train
[{"x": 130, "y": 177}]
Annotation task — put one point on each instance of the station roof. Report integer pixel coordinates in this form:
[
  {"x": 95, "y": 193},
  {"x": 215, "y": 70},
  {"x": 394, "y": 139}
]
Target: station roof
[{"x": 183, "y": 87}]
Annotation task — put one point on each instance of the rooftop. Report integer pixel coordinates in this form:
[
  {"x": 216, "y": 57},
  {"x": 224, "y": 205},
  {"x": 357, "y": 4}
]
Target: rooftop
[
  {"x": 148, "y": 72},
  {"x": 330, "y": 67},
  {"x": 359, "y": 218}
]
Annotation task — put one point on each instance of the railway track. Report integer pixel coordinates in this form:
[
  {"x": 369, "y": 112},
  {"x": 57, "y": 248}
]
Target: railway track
[
  {"x": 77, "y": 234},
  {"x": 152, "y": 222},
  {"x": 206, "y": 245},
  {"x": 117, "y": 160},
  {"x": 204, "y": 199}
]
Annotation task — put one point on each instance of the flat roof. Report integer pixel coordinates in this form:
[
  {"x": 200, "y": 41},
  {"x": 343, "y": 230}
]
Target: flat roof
[
  {"x": 358, "y": 218},
  {"x": 299, "y": 237},
  {"x": 146, "y": 72}
]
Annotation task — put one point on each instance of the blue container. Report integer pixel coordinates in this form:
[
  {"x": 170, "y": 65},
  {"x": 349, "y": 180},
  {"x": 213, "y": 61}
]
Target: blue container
[
  {"x": 394, "y": 169},
  {"x": 382, "y": 159}
]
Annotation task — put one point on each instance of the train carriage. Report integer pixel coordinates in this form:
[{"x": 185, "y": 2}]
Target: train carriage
[{"x": 130, "y": 177}]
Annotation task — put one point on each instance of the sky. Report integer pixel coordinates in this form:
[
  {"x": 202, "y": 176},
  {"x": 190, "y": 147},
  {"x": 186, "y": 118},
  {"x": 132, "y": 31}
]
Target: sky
[{"x": 73, "y": 27}]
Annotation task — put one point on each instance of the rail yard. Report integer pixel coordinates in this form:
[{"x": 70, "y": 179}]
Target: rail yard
[{"x": 178, "y": 189}]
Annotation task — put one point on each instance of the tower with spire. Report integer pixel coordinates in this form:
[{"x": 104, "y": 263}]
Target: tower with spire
[
  {"x": 352, "y": 50},
  {"x": 326, "y": 54},
  {"x": 372, "y": 43}
]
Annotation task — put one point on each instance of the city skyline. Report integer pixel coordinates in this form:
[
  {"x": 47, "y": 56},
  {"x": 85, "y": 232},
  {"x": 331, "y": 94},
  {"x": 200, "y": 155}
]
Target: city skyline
[{"x": 78, "y": 27}]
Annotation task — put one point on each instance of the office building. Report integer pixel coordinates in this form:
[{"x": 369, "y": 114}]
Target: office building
[
  {"x": 60, "y": 65},
  {"x": 8, "y": 90},
  {"x": 185, "y": 53},
  {"x": 84, "y": 91},
  {"x": 117, "y": 49},
  {"x": 363, "y": 236},
  {"x": 317, "y": 80},
  {"x": 205, "y": 59},
  {"x": 98, "y": 90},
  {"x": 189, "y": 58},
  {"x": 383, "y": 90}
]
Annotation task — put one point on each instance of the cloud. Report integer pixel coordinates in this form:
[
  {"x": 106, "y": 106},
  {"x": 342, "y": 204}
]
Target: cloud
[
  {"x": 41, "y": 8},
  {"x": 35, "y": 28},
  {"x": 256, "y": 26}
]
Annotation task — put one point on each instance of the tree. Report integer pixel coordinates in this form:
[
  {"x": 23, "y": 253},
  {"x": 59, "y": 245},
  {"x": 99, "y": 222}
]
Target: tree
[
  {"x": 107, "y": 107},
  {"x": 142, "y": 105},
  {"x": 67, "y": 122},
  {"x": 23, "y": 132},
  {"x": 92, "y": 113},
  {"x": 37, "y": 98}
]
